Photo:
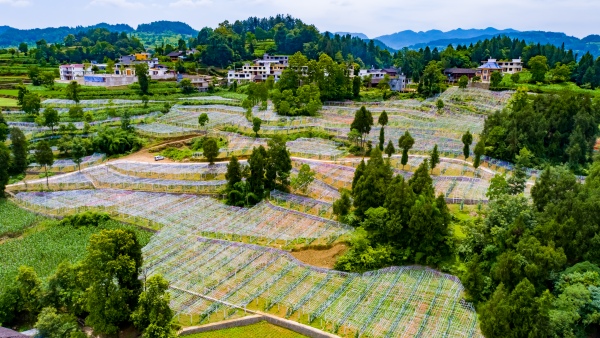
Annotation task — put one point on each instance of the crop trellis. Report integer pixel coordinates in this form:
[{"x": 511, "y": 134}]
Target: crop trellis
[
  {"x": 105, "y": 177},
  {"x": 315, "y": 148},
  {"x": 71, "y": 181},
  {"x": 390, "y": 302},
  {"x": 172, "y": 171},
  {"x": 263, "y": 223},
  {"x": 68, "y": 165},
  {"x": 303, "y": 204}
]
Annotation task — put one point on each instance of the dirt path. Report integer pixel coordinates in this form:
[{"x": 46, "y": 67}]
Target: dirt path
[{"x": 321, "y": 258}]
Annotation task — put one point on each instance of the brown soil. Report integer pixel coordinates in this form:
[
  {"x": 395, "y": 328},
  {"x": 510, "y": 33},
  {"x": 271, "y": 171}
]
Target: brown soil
[
  {"x": 144, "y": 156},
  {"x": 322, "y": 258}
]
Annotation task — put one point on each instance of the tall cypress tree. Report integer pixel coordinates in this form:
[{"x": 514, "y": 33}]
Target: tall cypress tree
[
  {"x": 234, "y": 173},
  {"x": 20, "y": 149}
]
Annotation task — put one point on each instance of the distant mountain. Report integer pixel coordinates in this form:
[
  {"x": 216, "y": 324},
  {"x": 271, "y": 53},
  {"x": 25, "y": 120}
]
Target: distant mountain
[
  {"x": 358, "y": 35},
  {"x": 408, "y": 38},
  {"x": 3, "y": 28},
  {"x": 13, "y": 37},
  {"x": 580, "y": 46},
  {"x": 160, "y": 27}
]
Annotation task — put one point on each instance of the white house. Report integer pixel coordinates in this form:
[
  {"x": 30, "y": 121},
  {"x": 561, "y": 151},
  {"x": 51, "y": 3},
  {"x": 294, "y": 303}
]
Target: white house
[
  {"x": 260, "y": 70},
  {"x": 71, "y": 72}
]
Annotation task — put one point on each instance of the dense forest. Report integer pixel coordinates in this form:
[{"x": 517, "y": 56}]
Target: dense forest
[
  {"x": 160, "y": 27},
  {"x": 556, "y": 129},
  {"x": 13, "y": 36},
  {"x": 96, "y": 44}
]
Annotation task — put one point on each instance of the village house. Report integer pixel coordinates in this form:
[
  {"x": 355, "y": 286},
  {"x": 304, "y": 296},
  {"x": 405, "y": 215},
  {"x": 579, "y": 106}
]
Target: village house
[
  {"x": 199, "y": 82},
  {"x": 492, "y": 65},
  {"x": 398, "y": 81},
  {"x": 71, "y": 72},
  {"x": 454, "y": 74},
  {"x": 485, "y": 71},
  {"x": 259, "y": 70},
  {"x": 174, "y": 56}
]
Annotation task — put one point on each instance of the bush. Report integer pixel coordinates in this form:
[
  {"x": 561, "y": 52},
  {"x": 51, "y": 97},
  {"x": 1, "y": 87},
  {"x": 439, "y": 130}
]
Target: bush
[{"x": 85, "y": 219}]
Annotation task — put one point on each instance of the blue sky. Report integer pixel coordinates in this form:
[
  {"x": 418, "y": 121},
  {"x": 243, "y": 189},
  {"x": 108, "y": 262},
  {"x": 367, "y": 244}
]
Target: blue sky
[{"x": 372, "y": 17}]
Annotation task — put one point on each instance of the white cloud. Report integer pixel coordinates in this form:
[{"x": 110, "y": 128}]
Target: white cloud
[
  {"x": 190, "y": 3},
  {"x": 117, "y": 3},
  {"x": 16, "y": 3}
]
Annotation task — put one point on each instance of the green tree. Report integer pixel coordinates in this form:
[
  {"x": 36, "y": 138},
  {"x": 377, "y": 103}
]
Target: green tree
[
  {"x": 35, "y": 75},
  {"x": 29, "y": 288},
  {"x": 495, "y": 79},
  {"x": 363, "y": 121},
  {"x": 389, "y": 149},
  {"x": 234, "y": 173},
  {"x": 381, "y": 138},
  {"x": 256, "y": 122},
  {"x": 4, "y": 129},
  {"x": 370, "y": 189},
  {"x": 383, "y": 119},
  {"x": 420, "y": 182},
  {"x": 498, "y": 187},
  {"x": 279, "y": 165},
  {"x": 126, "y": 121},
  {"x": 304, "y": 178},
  {"x": 479, "y": 151},
  {"x": 435, "y": 158},
  {"x": 432, "y": 80},
  {"x": 463, "y": 82},
  {"x": 467, "y": 140},
  {"x": 256, "y": 180},
  {"x": 31, "y": 104},
  {"x": 5, "y": 164},
  {"x": 203, "y": 119},
  {"x": 51, "y": 324},
  {"x": 72, "y": 91},
  {"x": 211, "y": 149},
  {"x": 538, "y": 66},
  {"x": 406, "y": 142},
  {"x": 515, "y": 78},
  {"x": 360, "y": 170},
  {"x": 76, "y": 112},
  {"x": 145, "y": 100},
  {"x": 341, "y": 207},
  {"x": 518, "y": 179},
  {"x": 141, "y": 70},
  {"x": 48, "y": 80},
  {"x": 23, "y": 48},
  {"x": 44, "y": 157},
  {"x": 110, "y": 270},
  {"x": 78, "y": 151},
  {"x": 20, "y": 150},
  {"x": 153, "y": 315},
  {"x": 186, "y": 86},
  {"x": 439, "y": 104},
  {"x": 51, "y": 118},
  {"x": 356, "y": 84}
]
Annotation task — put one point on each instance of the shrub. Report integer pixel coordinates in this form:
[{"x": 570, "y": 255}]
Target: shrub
[{"x": 85, "y": 219}]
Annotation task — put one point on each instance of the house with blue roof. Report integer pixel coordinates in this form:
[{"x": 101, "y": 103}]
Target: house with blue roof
[{"x": 485, "y": 71}]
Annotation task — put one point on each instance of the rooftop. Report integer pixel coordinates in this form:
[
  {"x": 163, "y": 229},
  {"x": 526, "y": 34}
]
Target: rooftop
[{"x": 8, "y": 333}]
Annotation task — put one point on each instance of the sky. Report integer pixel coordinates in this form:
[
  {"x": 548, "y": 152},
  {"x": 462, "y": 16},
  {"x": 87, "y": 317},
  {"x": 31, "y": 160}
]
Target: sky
[{"x": 372, "y": 17}]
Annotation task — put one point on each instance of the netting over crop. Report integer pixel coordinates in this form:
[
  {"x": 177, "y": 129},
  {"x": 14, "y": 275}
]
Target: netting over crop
[
  {"x": 480, "y": 99},
  {"x": 67, "y": 165},
  {"x": 264, "y": 223},
  {"x": 105, "y": 177},
  {"x": 315, "y": 148},
  {"x": 71, "y": 181},
  {"x": 164, "y": 130},
  {"x": 393, "y": 302},
  {"x": 172, "y": 171}
]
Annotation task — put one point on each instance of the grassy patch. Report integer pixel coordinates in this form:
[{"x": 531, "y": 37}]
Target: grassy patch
[
  {"x": 262, "y": 329},
  {"x": 48, "y": 244},
  {"x": 7, "y": 102},
  {"x": 13, "y": 220}
]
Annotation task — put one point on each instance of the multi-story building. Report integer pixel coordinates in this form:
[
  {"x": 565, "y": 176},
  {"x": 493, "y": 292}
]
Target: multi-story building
[
  {"x": 260, "y": 69},
  {"x": 485, "y": 71},
  {"x": 398, "y": 80},
  {"x": 512, "y": 66},
  {"x": 71, "y": 72},
  {"x": 492, "y": 65}
]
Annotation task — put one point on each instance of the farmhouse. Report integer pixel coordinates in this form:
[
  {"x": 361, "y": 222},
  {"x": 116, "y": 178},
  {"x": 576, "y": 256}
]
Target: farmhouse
[
  {"x": 71, "y": 72},
  {"x": 485, "y": 71},
  {"x": 260, "y": 69},
  {"x": 174, "y": 56},
  {"x": 398, "y": 80},
  {"x": 453, "y": 74}
]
